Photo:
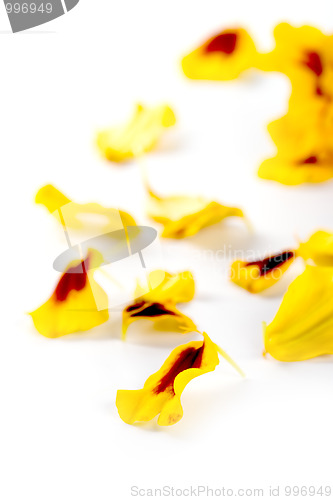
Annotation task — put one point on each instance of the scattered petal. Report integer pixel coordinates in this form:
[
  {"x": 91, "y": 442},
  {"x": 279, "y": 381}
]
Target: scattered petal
[
  {"x": 158, "y": 304},
  {"x": 222, "y": 57},
  {"x": 319, "y": 248},
  {"x": 82, "y": 216},
  {"x": 303, "y": 326},
  {"x": 184, "y": 216},
  {"x": 257, "y": 276},
  {"x": 72, "y": 306},
  {"x": 162, "y": 391},
  {"x": 138, "y": 136}
]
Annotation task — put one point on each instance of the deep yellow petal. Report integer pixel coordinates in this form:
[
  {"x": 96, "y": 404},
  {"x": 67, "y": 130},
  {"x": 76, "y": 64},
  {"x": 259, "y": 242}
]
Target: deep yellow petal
[
  {"x": 73, "y": 305},
  {"x": 166, "y": 317},
  {"x": 222, "y": 57},
  {"x": 290, "y": 171},
  {"x": 162, "y": 390},
  {"x": 303, "y": 326},
  {"x": 318, "y": 248},
  {"x": 257, "y": 276}
]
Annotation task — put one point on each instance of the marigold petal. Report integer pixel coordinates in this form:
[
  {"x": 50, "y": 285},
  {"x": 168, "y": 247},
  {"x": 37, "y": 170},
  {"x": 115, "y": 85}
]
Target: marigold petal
[
  {"x": 138, "y": 136},
  {"x": 162, "y": 391},
  {"x": 257, "y": 276},
  {"x": 184, "y": 216},
  {"x": 303, "y": 326},
  {"x": 222, "y": 57},
  {"x": 72, "y": 306}
]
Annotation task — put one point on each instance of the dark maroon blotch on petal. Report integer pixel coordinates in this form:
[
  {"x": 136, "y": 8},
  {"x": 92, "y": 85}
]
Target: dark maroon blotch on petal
[
  {"x": 225, "y": 42},
  {"x": 190, "y": 358},
  {"x": 313, "y": 62},
  {"x": 270, "y": 263},
  {"x": 74, "y": 278}
]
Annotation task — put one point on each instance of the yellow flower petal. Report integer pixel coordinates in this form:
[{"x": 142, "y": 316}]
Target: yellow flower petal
[
  {"x": 82, "y": 215},
  {"x": 166, "y": 317},
  {"x": 257, "y": 276},
  {"x": 162, "y": 391},
  {"x": 163, "y": 286},
  {"x": 303, "y": 326},
  {"x": 293, "y": 171},
  {"x": 138, "y": 136},
  {"x": 72, "y": 306},
  {"x": 184, "y": 216},
  {"x": 319, "y": 248},
  {"x": 157, "y": 302},
  {"x": 222, "y": 57},
  {"x": 304, "y": 54}
]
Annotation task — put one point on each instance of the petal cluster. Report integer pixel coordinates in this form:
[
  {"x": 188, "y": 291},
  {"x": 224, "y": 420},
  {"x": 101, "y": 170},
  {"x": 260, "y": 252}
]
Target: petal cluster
[{"x": 304, "y": 136}]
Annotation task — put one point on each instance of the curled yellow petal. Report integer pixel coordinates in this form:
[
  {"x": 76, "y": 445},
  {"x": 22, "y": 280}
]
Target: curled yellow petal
[
  {"x": 222, "y": 57},
  {"x": 303, "y": 326},
  {"x": 166, "y": 317},
  {"x": 318, "y": 248},
  {"x": 184, "y": 216},
  {"x": 73, "y": 305},
  {"x": 157, "y": 302},
  {"x": 257, "y": 276},
  {"x": 138, "y": 136},
  {"x": 162, "y": 391}
]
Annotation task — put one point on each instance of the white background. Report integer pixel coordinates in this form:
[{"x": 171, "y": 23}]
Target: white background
[{"x": 60, "y": 434}]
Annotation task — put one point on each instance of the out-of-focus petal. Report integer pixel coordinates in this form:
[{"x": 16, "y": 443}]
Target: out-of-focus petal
[
  {"x": 319, "y": 248},
  {"x": 138, "y": 136},
  {"x": 163, "y": 286},
  {"x": 257, "y": 276},
  {"x": 82, "y": 216},
  {"x": 184, "y": 216},
  {"x": 222, "y": 57},
  {"x": 294, "y": 170},
  {"x": 72, "y": 306}
]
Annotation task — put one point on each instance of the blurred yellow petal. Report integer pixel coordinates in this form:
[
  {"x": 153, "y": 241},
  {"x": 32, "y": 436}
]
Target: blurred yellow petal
[
  {"x": 303, "y": 326},
  {"x": 163, "y": 286},
  {"x": 82, "y": 215},
  {"x": 222, "y": 57},
  {"x": 138, "y": 136},
  {"x": 257, "y": 276},
  {"x": 318, "y": 248},
  {"x": 184, "y": 216},
  {"x": 72, "y": 306},
  {"x": 162, "y": 391},
  {"x": 295, "y": 170},
  {"x": 300, "y": 52}
]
